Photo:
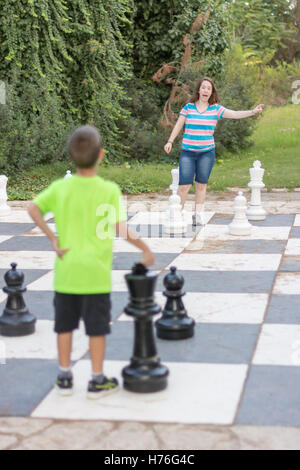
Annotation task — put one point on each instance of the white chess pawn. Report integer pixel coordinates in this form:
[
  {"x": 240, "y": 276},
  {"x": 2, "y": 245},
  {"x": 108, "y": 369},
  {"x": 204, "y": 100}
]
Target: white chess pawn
[
  {"x": 68, "y": 175},
  {"x": 175, "y": 221},
  {"x": 4, "y": 207},
  {"x": 255, "y": 211},
  {"x": 240, "y": 224}
]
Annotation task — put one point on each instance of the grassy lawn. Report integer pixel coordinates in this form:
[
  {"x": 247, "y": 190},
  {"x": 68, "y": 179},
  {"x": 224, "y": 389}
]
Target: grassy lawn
[{"x": 277, "y": 146}]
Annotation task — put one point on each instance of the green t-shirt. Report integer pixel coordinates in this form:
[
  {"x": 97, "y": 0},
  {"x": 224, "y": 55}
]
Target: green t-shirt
[{"x": 85, "y": 211}]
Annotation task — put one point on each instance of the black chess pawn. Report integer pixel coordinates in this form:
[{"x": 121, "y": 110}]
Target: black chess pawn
[
  {"x": 174, "y": 323},
  {"x": 145, "y": 373},
  {"x": 16, "y": 319}
]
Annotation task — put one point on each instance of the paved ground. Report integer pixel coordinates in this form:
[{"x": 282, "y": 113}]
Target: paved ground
[{"x": 29, "y": 433}]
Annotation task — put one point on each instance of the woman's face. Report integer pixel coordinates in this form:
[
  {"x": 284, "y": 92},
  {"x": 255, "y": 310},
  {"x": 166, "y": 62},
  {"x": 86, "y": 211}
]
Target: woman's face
[{"x": 205, "y": 90}]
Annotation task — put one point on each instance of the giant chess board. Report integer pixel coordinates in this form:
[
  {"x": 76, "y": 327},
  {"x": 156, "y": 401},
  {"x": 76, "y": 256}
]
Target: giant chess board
[{"x": 241, "y": 366}]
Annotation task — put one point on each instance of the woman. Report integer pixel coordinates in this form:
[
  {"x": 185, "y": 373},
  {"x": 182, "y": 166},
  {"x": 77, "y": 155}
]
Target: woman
[{"x": 200, "y": 117}]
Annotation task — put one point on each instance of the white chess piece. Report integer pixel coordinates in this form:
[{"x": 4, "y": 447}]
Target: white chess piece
[
  {"x": 68, "y": 175},
  {"x": 240, "y": 224},
  {"x": 255, "y": 211},
  {"x": 4, "y": 207},
  {"x": 175, "y": 221}
]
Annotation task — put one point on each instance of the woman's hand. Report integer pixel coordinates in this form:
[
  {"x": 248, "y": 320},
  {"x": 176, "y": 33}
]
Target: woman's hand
[
  {"x": 168, "y": 147},
  {"x": 258, "y": 109}
]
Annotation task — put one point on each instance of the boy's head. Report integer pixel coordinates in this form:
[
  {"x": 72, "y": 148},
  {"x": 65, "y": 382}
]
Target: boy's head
[{"x": 85, "y": 147}]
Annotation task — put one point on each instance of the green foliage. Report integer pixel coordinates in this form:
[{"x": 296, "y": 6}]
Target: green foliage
[
  {"x": 159, "y": 26},
  {"x": 262, "y": 25},
  {"x": 141, "y": 132},
  {"x": 275, "y": 85},
  {"x": 37, "y": 139},
  {"x": 237, "y": 90},
  {"x": 75, "y": 50}
]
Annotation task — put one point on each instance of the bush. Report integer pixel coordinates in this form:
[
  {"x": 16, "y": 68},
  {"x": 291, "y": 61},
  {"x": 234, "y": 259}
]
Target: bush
[
  {"x": 33, "y": 129},
  {"x": 141, "y": 132},
  {"x": 276, "y": 82}
]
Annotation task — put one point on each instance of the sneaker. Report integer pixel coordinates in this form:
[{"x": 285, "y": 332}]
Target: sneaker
[
  {"x": 96, "y": 390},
  {"x": 198, "y": 219},
  {"x": 64, "y": 386}
]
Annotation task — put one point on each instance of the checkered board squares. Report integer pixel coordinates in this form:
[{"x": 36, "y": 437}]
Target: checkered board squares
[
  {"x": 193, "y": 391},
  {"x": 241, "y": 366}
]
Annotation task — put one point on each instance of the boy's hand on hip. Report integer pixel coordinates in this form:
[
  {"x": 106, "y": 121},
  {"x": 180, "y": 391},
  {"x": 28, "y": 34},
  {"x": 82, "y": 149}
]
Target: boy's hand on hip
[{"x": 60, "y": 253}]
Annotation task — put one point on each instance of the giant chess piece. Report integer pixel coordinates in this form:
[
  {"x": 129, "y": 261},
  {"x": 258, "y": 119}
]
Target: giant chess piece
[
  {"x": 145, "y": 373},
  {"x": 240, "y": 224},
  {"x": 68, "y": 175},
  {"x": 16, "y": 319},
  {"x": 175, "y": 219},
  {"x": 255, "y": 211},
  {"x": 174, "y": 323},
  {"x": 4, "y": 207}
]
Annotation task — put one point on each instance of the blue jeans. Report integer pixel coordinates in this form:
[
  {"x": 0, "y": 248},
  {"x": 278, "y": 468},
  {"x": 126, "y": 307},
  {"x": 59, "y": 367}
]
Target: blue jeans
[{"x": 195, "y": 163}]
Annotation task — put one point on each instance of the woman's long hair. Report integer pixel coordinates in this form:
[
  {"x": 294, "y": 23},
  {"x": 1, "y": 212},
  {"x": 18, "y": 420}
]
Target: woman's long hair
[{"x": 214, "y": 99}]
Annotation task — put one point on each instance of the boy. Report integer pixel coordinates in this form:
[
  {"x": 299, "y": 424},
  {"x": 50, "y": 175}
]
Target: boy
[{"x": 87, "y": 209}]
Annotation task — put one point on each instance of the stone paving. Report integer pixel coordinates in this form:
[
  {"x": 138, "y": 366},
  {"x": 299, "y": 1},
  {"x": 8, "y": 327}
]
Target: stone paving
[{"x": 44, "y": 434}]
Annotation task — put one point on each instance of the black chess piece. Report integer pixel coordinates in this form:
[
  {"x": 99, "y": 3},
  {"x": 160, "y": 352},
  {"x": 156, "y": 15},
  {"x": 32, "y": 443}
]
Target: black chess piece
[
  {"x": 145, "y": 373},
  {"x": 16, "y": 319},
  {"x": 174, "y": 323}
]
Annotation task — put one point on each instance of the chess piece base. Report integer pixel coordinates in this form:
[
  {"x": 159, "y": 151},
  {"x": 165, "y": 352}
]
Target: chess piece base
[
  {"x": 17, "y": 325},
  {"x": 175, "y": 328},
  {"x": 144, "y": 378},
  {"x": 177, "y": 228},
  {"x": 256, "y": 213}
]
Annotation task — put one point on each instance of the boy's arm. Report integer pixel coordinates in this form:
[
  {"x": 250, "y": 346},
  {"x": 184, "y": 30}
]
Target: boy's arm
[
  {"x": 124, "y": 231},
  {"x": 35, "y": 213}
]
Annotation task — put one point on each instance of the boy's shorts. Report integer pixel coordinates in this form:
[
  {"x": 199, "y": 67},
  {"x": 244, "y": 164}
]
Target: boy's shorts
[{"x": 94, "y": 309}]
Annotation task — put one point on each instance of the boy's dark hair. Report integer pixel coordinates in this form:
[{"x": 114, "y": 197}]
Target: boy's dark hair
[{"x": 84, "y": 146}]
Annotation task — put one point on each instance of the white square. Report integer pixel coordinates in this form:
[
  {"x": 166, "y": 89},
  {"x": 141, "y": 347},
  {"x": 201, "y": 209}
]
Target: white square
[
  {"x": 42, "y": 344},
  {"x": 119, "y": 282},
  {"x": 3, "y": 238},
  {"x": 196, "y": 393},
  {"x": 221, "y": 233},
  {"x": 28, "y": 259},
  {"x": 293, "y": 247},
  {"x": 45, "y": 282},
  {"x": 37, "y": 231},
  {"x": 278, "y": 345},
  {"x": 22, "y": 217},
  {"x": 287, "y": 283},
  {"x": 206, "y": 307},
  {"x": 156, "y": 245},
  {"x": 297, "y": 221},
  {"x": 227, "y": 262}
]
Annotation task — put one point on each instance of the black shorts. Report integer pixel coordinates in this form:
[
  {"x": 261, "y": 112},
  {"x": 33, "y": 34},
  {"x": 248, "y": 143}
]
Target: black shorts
[{"x": 94, "y": 309}]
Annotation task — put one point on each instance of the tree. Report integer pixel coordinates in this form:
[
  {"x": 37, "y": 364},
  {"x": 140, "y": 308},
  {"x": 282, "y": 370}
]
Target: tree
[
  {"x": 159, "y": 26},
  {"x": 262, "y": 25},
  {"x": 71, "y": 51}
]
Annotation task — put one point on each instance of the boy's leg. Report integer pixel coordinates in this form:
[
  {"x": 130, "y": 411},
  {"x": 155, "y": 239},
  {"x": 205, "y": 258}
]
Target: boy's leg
[
  {"x": 64, "y": 382},
  {"x": 64, "y": 346},
  {"x": 97, "y": 352}
]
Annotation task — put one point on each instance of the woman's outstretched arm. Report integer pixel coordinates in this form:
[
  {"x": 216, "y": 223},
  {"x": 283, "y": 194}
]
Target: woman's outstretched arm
[{"x": 230, "y": 114}]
